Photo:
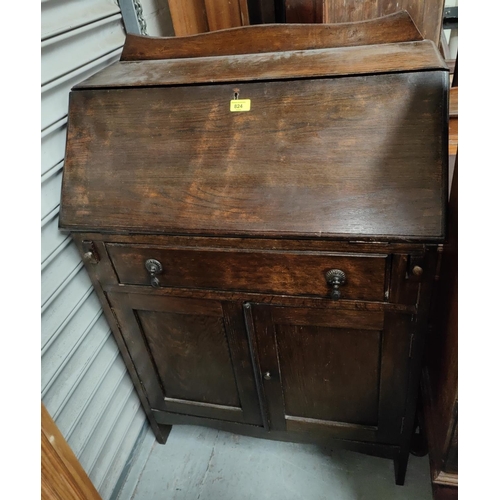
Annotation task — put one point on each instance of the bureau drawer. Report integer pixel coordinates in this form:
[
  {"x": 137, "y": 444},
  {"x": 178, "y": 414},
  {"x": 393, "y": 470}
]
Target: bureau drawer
[{"x": 275, "y": 272}]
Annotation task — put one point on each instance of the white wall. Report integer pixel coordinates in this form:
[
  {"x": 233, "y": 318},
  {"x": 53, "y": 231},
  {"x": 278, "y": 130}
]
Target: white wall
[{"x": 157, "y": 17}]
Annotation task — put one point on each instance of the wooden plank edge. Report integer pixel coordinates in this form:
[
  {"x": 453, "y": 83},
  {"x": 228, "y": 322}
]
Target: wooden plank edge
[
  {"x": 397, "y": 27},
  {"x": 79, "y": 479}
]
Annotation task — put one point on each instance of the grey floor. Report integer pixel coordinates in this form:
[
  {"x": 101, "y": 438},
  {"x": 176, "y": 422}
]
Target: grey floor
[{"x": 205, "y": 464}]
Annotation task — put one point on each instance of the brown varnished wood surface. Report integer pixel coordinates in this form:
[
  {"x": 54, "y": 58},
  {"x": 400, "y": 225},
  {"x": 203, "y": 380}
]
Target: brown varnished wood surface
[
  {"x": 394, "y": 372},
  {"x": 341, "y": 163},
  {"x": 285, "y": 300},
  {"x": 365, "y": 320},
  {"x": 185, "y": 350},
  {"x": 329, "y": 373},
  {"x": 272, "y": 38},
  {"x": 426, "y": 14},
  {"x": 312, "y": 356},
  {"x": 242, "y": 360},
  {"x": 191, "y": 355},
  {"x": 101, "y": 274},
  {"x": 264, "y": 272},
  {"x": 281, "y": 169},
  {"x": 271, "y": 244},
  {"x": 62, "y": 474},
  {"x": 385, "y": 58}
]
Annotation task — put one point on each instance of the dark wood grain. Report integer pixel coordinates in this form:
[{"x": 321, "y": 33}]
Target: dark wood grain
[
  {"x": 329, "y": 373},
  {"x": 242, "y": 361},
  {"x": 185, "y": 354},
  {"x": 100, "y": 274},
  {"x": 427, "y": 14},
  {"x": 304, "y": 11},
  {"x": 285, "y": 300},
  {"x": 341, "y": 172},
  {"x": 366, "y": 320},
  {"x": 385, "y": 58},
  {"x": 340, "y": 245},
  {"x": 138, "y": 350},
  {"x": 262, "y": 11},
  {"x": 337, "y": 376},
  {"x": 451, "y": 462},
  {"x": 272, "y": 38},
  {"x": 443, "y": 492},
  {"x": 440, "y": 371},
  {"x": 266, "y": 272},
  {"x": 192, "y": 356},
  {"x": 394, "y": 371},
  {"x": 419, "y": 330},
  {"x": 340, "y": 163},
  {"x": 403, "y": 290},
  {"x": 266, "y": 351}
]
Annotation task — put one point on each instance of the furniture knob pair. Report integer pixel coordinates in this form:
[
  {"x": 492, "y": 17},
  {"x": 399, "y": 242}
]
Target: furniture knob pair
[{"x": 334, "y": 277}]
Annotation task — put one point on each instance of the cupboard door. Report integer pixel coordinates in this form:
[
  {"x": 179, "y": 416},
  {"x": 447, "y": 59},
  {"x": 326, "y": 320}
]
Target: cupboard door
[
  {"x": 192, "y": 355},
  {"x": 339, "y": 372}
]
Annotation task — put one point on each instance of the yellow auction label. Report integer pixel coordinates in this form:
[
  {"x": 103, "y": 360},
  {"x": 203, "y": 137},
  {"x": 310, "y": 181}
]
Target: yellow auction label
[{"x": 239, "y": 105}]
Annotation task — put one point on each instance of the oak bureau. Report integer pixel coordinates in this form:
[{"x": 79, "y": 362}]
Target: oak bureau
[{"x": 260, "y": 211}]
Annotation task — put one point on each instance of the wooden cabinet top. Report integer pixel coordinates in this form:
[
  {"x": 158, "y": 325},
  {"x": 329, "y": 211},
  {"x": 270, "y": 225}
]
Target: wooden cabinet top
[{"x": 341, "y": 143}]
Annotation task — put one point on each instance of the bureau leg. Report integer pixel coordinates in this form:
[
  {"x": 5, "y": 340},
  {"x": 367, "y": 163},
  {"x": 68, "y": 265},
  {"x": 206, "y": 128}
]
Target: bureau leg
[
  {"x": 160, "y": 431},
  {"x": 400, "y": 466}
]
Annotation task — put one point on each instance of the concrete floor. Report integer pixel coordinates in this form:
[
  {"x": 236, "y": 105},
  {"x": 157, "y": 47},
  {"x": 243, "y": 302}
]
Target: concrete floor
[{"x": 205, "y": 464}]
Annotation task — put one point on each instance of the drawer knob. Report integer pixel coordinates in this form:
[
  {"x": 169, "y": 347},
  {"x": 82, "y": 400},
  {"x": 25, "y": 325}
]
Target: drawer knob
[
  {"x": 267, "y": 376},
  {"x": 417, "y": 271},
  {"x": 335, "y": 278},
  {"x": 153, "y": 267}
]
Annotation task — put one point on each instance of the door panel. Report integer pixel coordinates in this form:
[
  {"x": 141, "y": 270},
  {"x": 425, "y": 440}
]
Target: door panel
[
  {"x": 332, "y": 371},
  {"x": 329, "y": 374},
  {"x": 192, "y": 355}
]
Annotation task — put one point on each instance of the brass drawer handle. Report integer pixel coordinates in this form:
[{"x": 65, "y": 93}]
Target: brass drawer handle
[
  {"x": 335, "y": 278},
  {"x": 153, "y": 267}
]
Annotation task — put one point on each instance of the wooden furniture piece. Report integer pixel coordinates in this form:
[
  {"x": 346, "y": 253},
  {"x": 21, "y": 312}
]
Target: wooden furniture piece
[
  {"x": 198, "y": 16},
  {"x": 62, "y": 474},
  {"x": 266, "y": 271},
  {"x": 439, "y": 385},
  {"x": 440, "y": 371},
  {"x": 190, "y": 17}
]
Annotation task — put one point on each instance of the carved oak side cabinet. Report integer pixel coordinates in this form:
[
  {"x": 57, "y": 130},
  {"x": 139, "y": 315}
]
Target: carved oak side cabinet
[{"x": 262, "y": 227}]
